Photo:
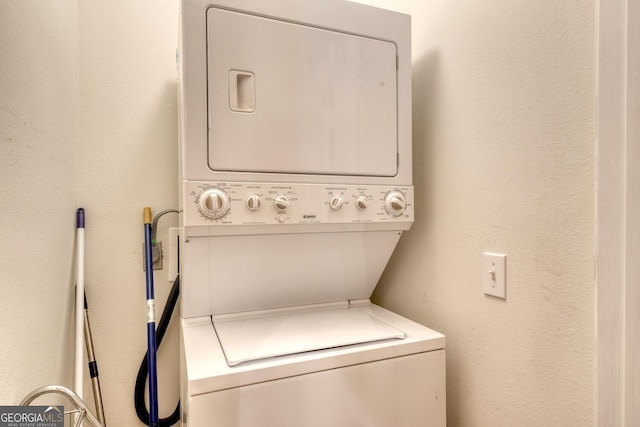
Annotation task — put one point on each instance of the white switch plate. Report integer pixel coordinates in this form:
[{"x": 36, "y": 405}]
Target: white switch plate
[{"x": 494, "y": 274}]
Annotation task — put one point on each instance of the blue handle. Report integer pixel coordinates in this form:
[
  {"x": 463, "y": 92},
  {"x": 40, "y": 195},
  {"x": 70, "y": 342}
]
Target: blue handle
[
  {"x": 80, "y": 218},
  {"x": 153, "y": 378},
  {"x": 151, "y": 330}
]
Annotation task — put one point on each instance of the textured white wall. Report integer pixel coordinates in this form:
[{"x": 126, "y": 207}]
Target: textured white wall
[
  {"x": 504, "y": 101},
  {"x": 38, "y": 134},
  {"x": 127, "y": 160}
]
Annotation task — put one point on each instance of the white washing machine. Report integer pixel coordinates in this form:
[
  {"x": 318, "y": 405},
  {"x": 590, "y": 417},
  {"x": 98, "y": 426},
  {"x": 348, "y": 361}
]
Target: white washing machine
[{"x": 296, "y": 186}]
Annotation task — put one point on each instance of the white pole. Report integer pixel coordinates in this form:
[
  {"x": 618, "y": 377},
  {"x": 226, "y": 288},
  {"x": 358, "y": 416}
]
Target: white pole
[{"x": 79, "y": 350}]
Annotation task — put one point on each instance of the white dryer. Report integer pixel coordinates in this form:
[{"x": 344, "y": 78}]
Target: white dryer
[{"x": 296, "y": 186}]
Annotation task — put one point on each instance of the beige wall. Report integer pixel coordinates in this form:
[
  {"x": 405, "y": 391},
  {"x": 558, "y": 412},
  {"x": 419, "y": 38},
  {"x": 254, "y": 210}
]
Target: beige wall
[
  {"x": 504, "y": 101},
  {"x": 503, "y": 161},
  {"x": 38, "y": 134},
  {"x": 127, "y": 160},
  {"x": 88, "y": 118}
]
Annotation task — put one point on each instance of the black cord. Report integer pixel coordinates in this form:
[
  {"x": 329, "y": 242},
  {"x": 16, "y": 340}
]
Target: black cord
[{"x": 143, "y": 372}]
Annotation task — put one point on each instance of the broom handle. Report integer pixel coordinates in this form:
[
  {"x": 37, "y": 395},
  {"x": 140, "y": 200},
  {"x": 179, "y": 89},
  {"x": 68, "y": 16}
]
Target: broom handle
[
  {"x": 151, "y": 322},
  {"x": 79, "y": 308}
]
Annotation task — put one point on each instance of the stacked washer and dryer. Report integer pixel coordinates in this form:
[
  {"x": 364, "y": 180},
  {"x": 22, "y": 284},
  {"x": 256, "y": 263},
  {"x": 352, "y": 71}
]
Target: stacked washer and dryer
[{"x": 295, "y": 185}]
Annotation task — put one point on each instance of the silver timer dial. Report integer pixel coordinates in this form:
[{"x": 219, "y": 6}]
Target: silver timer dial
[
  {"x": 395, "y": 203},
  {"x": 213, "y": 203}
]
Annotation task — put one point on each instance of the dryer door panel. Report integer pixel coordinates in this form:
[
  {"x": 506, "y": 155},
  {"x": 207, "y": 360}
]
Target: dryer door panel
[{"x": 289, "y": 98}]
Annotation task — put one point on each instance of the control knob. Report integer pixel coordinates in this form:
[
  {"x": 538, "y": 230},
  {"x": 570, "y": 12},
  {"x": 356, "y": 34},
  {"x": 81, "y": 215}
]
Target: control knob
[
  {"x": 336, "y": 203},
  {"x": 395, "y": 203},
  {"x": 253, "y": 202},
  {"x": 281, "y": 203},
  {"x": 362, "y": 202},
  {"x": 213, "y": 203}
]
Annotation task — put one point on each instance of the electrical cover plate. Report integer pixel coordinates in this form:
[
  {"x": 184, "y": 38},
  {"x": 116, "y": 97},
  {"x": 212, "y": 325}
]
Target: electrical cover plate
[
  {"x": 494, "y": 275},
  {"x": 156, "y": 252}
]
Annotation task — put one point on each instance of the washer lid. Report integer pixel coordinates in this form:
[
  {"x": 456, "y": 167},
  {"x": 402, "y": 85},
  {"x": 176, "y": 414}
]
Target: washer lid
[{"x": 277, "y": 334}]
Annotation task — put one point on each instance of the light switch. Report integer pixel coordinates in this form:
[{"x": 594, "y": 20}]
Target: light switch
[{"x": 494, "y": 274}]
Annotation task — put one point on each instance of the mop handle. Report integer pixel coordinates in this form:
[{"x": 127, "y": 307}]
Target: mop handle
[
  {"x": 93, "y": 366},
  {"x": 151, "y": 322},
  {"x": 79, "y": 308}
]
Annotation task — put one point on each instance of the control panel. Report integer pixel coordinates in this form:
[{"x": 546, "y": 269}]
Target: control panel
[{"x": 243, "y": 203}]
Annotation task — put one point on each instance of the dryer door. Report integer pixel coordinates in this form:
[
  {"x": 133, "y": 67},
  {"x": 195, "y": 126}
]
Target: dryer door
[{"x": 290, "y": 98}]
